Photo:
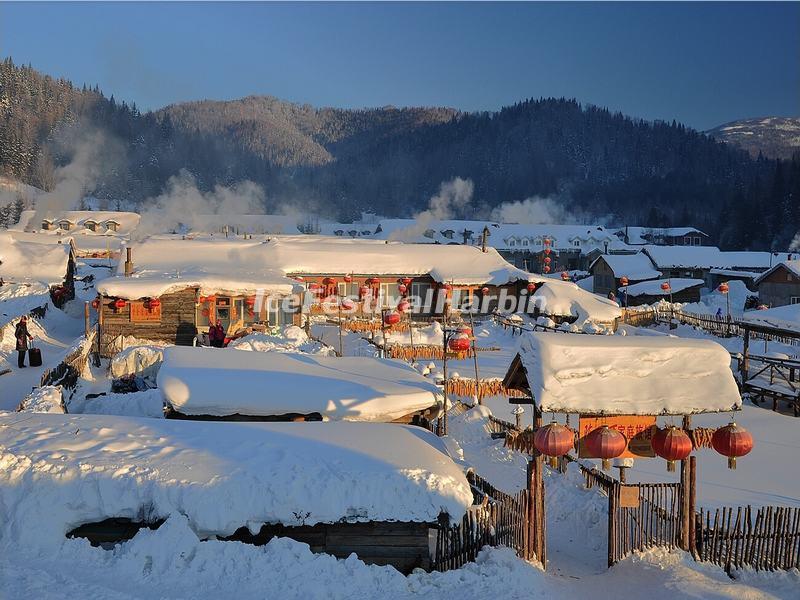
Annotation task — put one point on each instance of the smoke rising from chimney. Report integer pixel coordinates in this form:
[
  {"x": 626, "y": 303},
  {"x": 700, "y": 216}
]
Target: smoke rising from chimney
[{"x": 451, "y": 202}]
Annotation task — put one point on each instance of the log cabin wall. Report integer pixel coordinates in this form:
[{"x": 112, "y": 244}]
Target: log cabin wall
[{"x": 176, "y": 325}]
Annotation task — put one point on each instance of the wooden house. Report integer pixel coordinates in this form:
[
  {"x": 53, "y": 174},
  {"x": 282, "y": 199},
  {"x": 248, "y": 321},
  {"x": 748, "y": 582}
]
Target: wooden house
[
  {"x": 608, "y": 270},
  {"x": 374, "y": 489},
  {"x": 649, "y": 292},
  {"x": 780, "y": 285},
  {"x": 171, "y": 289},
  {"x": 49, "y": 260}
]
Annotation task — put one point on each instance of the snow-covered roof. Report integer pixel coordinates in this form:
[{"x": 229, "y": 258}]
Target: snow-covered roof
[
  {"x": 781, "y": 317},
  {"x": 31, "y": 220},
  {"x": 565, "y": 298},
  {"x": 754, "y": 260},
  {"x": 646, "y": 235},
  {"x": 636, "y": 267},
  {"x": 428, "y": 231},
  {"x": 793, "y": 266},
  {"x": 209, "y": 381},
  {"x": 628, "y": 375},
  {"x": 509, "y": 236},
  {"x": 17, "y": 299},
  {"x": 456, "y": 264},
  {"x": 29, "y": 261},
  {"x": 689, "y": 257},
  {"x": 653, "y": 288},
  {"x": 75, "y": 469},
  {"x": 212, "y": 265}
]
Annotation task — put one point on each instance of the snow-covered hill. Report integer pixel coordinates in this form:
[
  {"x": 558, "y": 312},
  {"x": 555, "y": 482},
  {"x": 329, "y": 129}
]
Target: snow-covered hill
[{"x": 774, "y": 137}]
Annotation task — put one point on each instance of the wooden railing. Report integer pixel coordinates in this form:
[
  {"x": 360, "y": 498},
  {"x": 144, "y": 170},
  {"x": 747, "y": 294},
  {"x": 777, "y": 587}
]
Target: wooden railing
[
  {"x": 495, "y": 519},
  {"x": 765, "y": 539}
]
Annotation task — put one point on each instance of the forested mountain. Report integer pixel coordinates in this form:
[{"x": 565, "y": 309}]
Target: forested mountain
[
  {"x": 774, "y": 137},
  {"x": 393, "y": 160}
]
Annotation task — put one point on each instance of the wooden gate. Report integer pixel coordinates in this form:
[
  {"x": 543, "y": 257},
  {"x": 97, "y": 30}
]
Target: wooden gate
[{"x": 642, "y": 516}]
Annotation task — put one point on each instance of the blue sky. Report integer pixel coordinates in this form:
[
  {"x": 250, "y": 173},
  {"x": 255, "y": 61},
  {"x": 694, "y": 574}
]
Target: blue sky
[{"x": 700, "y": 63}]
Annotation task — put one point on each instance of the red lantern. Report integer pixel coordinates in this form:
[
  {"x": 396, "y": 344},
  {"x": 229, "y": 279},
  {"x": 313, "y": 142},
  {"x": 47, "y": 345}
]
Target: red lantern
[
  {"x": 665, "y": 286},
  {"x": 402, "y": 288},
  {"x": 531, "y": 287},
  {"x": 565, "y": 276},
  {"x": 546, "y": 269},
  {"x": 211, "y": 299},
  {"x": 605, "y": 443},
  {"x": 404, "y": 306},
  {"x": 484, "y": 290},
  {"x": 329, "y": 281},
  {"x": 95, "y": 304},
  {"x": 554, "y": 440},
  {"x": 201, "y": 299},
  {"x": 671, "y": 444},
  {"x": 391, "y": 318},
  {"x": 723, "y": 288},
  {"x": 119, "y": 304},
  {"x": 459, "y": 343},
  {"x": 547, "y": 260},
  {"x": 547, "y": 250},
  {"x": 406, "y": 280},
  {"x": 623, "y": 281},
  {"x": 546, "y": 241},
  {"x": 250, "y": 301},
  {"x": 465, "y": 330},
  {"x": 205, "y": 312},
  {"x": 732, "y": 441},
  {"x": 153, "y": 303},
  {"x": 348, "y": 278}
]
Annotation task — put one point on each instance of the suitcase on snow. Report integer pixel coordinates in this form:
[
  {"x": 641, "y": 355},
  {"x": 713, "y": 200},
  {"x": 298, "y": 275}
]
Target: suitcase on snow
[{"x": 35, "y": 357}]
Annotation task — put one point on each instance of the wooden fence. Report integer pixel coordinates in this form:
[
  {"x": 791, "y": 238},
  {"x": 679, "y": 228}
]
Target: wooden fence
[
  {"x": 497, "y": 519},
  {"x": 765, "y": 539}
]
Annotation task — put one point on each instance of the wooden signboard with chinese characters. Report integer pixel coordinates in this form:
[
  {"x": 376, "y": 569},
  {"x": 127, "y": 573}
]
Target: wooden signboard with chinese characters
[
  {"x": 629, "y": 496},
  {"x": 638, "y": 430},
  {"x": 141, "y": 314}
]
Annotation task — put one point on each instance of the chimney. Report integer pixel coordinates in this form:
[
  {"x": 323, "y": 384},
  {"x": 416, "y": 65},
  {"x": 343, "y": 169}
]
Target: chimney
[
  {"x": 484, "y": 237},
  {"x": 128, "y": 262}
]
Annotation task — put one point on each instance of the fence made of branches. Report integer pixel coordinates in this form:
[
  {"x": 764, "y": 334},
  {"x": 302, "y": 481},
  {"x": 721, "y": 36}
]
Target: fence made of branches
[
  {"x": 765, "y": 539},
  {"x": 496, "y": 519}
]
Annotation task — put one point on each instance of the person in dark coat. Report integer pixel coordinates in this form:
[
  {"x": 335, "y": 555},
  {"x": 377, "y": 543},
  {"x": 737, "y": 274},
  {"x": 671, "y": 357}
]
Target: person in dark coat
[{"x": 22, "y": 335}]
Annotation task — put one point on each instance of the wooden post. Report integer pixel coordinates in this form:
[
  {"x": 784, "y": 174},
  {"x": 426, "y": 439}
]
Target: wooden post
[
  {"x": 475, "y": 359},
  {"x": 99, "y": 325},
  {"x": 444, "y": 377},
  {"x": 383, "y": 329},
  {"x": 539, "y": 545},
  {"x": 745, "y": 355},
  {"x": 692, "y": 505},
  {"x": 686, "y": 518},
  {"x": 341, "y": 347},
  {"x": 530, "y": 518},
  {"x": 86, "y": 321},
  {"x": 613, "y": 501}
]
